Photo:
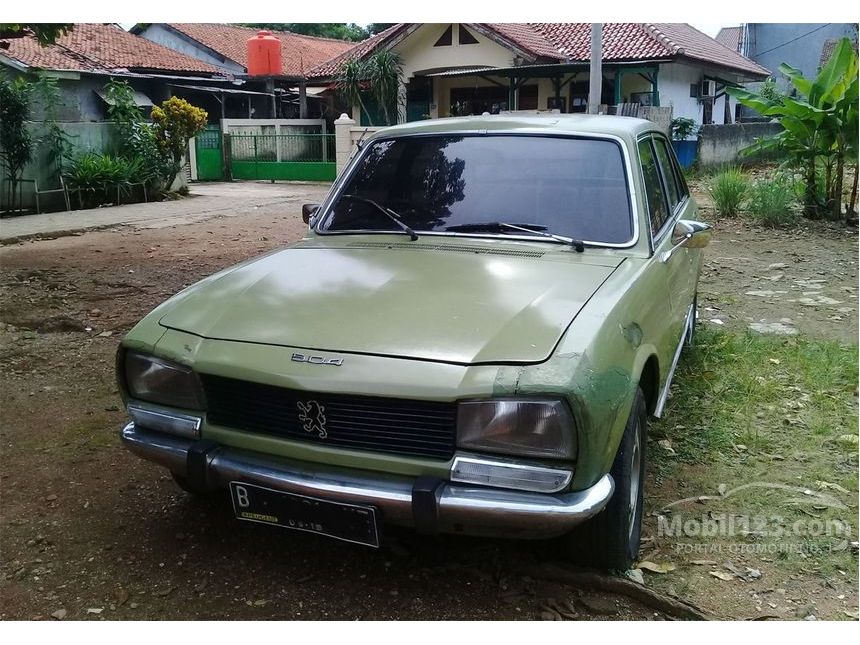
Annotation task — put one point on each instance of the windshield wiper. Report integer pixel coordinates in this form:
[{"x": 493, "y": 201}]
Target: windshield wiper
[
  {"x": 390, "y": 214},
  {"x": 537, "y": 229}
]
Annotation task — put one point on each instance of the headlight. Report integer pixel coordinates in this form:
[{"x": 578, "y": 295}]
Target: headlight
[
  {"x": 524, "y": 427},
  {"x": 159, "y": 381}
]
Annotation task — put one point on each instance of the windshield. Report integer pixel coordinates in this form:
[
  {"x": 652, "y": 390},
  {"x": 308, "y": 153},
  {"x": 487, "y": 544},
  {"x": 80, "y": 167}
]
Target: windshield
[{"x": 574, "y": 187}]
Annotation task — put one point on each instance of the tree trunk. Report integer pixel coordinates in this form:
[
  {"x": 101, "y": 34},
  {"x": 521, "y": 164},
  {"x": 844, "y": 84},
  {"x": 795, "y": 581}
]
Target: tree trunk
[
  {"x": 810, "y": 209},
  {"x": 852, "y": 205},
  {"x": 836, "y": 208}
]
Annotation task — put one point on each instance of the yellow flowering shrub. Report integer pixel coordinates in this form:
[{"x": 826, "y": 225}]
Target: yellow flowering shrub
[{"x": 176, "y": 121}]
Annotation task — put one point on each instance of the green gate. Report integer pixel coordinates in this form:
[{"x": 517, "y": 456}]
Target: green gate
[
  {"x": 210, "y": 158},
  {"x": 297, "y": 157}
]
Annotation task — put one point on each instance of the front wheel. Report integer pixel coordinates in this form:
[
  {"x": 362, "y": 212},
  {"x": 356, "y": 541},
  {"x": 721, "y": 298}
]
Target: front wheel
[{"x": 610, "y": 540}]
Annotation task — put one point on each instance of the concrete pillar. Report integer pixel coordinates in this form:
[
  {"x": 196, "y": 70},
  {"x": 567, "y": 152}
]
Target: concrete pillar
[
  {"x": 595, "y": 73},
  {"x": 303, "y": 100},
  {"x": 343, "y": 140}
]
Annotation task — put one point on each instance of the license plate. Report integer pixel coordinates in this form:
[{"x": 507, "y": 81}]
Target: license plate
[{"x": 348, "y": 522}]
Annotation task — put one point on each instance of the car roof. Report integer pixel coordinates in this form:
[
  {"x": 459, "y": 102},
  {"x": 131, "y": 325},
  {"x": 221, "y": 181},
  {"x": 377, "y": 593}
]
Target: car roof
[{"x": 620, "y": 126}]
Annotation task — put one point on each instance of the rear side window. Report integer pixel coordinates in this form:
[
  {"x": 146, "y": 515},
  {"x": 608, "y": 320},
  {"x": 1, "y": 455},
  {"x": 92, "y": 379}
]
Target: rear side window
[
  {"x": 658, "y": 209},
  {"x": 669, "y": 173}
]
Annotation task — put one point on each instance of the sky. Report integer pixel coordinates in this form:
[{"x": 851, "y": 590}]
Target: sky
[{"x": 712, "y": 28}]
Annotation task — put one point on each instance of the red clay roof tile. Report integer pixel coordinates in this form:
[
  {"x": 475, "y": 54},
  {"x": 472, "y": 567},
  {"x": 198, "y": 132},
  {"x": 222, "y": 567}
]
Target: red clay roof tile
[
  {"x": 101, "y": 47},
  {"x": 299, "y": 53},
  {"x": 571, "y": 42}
]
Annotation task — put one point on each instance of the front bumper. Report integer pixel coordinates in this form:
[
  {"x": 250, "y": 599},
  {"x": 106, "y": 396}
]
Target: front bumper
[{"x": 428, "y": 505}]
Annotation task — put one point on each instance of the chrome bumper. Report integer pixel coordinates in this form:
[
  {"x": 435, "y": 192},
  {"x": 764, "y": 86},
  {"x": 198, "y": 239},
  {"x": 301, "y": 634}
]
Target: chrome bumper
[{"x": 444, "y": 508}]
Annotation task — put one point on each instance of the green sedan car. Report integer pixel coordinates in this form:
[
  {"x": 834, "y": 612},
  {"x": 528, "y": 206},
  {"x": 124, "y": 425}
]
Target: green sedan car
[{"x": 469, "y": 339}]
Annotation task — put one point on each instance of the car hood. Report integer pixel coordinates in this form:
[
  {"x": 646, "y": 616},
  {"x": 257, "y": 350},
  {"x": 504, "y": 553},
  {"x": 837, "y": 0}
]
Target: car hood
[{"x": 397, "y": 300}]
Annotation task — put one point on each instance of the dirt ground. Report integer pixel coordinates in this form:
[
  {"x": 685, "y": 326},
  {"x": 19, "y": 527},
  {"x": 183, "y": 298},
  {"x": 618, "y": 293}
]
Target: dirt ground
[
  {"x": 785, "y": 281},
  {"x": 91, "y": 532}
]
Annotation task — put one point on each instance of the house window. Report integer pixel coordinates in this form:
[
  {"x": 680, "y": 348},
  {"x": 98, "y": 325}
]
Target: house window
[
  {"x": 466, "y": 37},
  {"x": 445, "y": 39}
]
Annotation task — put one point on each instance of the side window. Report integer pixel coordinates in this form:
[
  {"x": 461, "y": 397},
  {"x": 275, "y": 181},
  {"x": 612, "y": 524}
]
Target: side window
[
  {"x": 668, "y": 170},
  {"x": 658, "y": 210}
]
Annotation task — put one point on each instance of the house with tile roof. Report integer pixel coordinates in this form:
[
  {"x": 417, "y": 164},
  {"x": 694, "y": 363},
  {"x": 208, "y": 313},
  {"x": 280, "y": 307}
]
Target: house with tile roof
[
  {"x": 86, "y": 58},
  {"x": 225, "y": 46},
  {"x": 471, "y": 68}
]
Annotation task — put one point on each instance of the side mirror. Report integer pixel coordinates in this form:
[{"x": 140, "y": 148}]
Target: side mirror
[
  {"x": 689, "y": 234},
  {"x": 308, "y": 211}
]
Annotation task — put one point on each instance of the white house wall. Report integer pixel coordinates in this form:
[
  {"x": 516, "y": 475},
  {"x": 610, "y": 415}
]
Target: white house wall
[
  {"x": 419, "y": 54},
  {"x": 674, "y": 82}
]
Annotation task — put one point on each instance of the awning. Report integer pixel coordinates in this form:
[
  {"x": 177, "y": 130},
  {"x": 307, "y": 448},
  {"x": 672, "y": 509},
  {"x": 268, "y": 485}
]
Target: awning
[
  {"x": 140, "y": 99},
  {"x": 310, "y": 91},
  {"x": 216, "y": 90}
]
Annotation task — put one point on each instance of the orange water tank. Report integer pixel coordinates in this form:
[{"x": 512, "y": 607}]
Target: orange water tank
[{"x": 264, "y": 55}]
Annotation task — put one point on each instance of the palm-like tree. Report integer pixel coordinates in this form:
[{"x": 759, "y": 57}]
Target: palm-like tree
[{"x": 377, "y": 76}]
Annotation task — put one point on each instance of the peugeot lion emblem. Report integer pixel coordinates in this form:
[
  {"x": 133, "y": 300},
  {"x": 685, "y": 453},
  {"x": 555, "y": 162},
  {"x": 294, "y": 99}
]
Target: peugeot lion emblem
[{"x": 312, "y": 416}]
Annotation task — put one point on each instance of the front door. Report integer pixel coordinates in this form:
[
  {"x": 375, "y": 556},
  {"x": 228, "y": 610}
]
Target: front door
[{"x": 668, "y": 201}]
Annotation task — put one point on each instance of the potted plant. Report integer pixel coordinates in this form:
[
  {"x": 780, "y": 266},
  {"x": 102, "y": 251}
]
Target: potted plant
[{"x": 685, "y": 146}]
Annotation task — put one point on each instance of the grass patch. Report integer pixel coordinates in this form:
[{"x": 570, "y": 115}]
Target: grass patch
[
  {"x": 728, "y": 189},
  {"x": 772, "y": 202},
  {"x": 772, "y": 415},
  {"x": 760, "y": 391}
]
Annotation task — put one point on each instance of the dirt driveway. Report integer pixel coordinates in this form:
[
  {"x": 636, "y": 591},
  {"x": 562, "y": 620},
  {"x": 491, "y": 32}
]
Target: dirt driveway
[{"x": 91, "y": 532}]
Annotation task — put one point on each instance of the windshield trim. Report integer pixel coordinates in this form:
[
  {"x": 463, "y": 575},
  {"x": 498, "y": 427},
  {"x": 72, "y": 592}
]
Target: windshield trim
[{"x": 352, "y": 167}]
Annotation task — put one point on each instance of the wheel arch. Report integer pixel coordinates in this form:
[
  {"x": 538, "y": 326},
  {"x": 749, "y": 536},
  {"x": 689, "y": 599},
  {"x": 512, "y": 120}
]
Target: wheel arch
[{"x": 649, "y": 381}]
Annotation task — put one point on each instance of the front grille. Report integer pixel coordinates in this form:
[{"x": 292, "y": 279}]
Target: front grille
[{"x": 399, "y": 426}]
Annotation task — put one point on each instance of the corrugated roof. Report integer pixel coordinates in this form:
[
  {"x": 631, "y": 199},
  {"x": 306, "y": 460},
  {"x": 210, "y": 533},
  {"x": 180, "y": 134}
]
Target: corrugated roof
[
  {"x": 571, "y": 42},
  {"x": 299, "y": 53},
  {"x": 98, "y": 47}
]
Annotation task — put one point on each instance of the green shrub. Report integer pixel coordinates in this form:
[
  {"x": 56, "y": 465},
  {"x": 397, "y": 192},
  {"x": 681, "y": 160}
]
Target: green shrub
[
  {"x": 728, "y": 189},
  {"x": 98, "y": 177},
  {"x": 772, "y": 202}
]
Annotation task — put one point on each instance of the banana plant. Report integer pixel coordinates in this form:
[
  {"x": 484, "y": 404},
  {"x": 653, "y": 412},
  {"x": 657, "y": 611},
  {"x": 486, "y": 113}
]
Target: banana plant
[{"x": 819, "y": 127}]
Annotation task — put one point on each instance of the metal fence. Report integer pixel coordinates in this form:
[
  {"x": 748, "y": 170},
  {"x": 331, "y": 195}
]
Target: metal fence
[
  {"x": 282, "y": 156},
  {"x": 282, "y": 147}
]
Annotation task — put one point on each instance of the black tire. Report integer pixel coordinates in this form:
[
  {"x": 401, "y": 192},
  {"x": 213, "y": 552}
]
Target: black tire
[
  {"x": 610, "y": 540},
  {"x": 189, "y": 488}
]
